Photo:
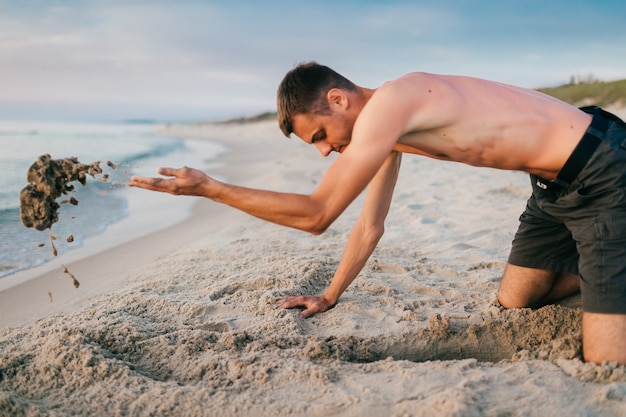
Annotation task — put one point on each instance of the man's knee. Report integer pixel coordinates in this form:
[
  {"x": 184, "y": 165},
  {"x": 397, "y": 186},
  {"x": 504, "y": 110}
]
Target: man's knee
[
  {"x": 508, "y": 300},
  {"x": 604, "y": 337},
  {"x": 527, "y": 287},
  {"x": 522, "y": 287}
]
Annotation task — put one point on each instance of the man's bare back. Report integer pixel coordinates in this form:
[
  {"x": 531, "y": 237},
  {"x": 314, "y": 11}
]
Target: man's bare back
[{"x": 483, "y": 123}]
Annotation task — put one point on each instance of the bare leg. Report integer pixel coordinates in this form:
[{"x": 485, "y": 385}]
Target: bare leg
[
  {"x": 527, "y": 287},
  {"x": 604, "y": 337}
]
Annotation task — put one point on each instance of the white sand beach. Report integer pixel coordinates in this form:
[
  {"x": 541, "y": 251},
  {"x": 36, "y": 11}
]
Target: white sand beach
[{"x": 183, "y": 322}]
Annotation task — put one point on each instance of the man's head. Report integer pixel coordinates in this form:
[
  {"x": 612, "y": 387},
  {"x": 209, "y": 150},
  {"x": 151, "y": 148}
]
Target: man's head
[{"x": 304, "y": 90}]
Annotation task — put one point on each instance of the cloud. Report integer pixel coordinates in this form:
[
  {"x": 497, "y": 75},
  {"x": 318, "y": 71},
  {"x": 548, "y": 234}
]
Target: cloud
[{"x": 196, "y": 57}]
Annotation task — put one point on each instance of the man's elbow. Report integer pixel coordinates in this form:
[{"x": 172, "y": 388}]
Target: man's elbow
[
  {"x": 318, "y": 225},
  {"x": 373, "y": 233},
  {"x": 316, "y": 232},
  {"x": 318, "y": 228}
]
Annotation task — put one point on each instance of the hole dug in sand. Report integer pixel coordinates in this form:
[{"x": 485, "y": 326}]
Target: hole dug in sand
[{"x": 550, "y": 333}]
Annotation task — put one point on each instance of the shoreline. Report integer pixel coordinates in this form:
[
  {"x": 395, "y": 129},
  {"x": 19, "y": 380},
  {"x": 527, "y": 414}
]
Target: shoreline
[
  {"x": 28, "y": 299},
  {"x": 121, "y": 232},
  {"x": 104, "y": 261},
  {"x": 109, "y": 212}
]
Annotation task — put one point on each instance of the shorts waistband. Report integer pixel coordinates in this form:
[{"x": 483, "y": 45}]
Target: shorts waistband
[{"x": 586, "y": 147}]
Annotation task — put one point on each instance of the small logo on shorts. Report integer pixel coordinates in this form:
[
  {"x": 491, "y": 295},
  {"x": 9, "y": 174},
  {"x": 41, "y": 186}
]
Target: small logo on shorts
[{"x": 542, "y": 185}]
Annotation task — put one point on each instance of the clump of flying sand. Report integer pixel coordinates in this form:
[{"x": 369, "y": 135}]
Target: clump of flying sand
[{"x": 48, "y": 179}]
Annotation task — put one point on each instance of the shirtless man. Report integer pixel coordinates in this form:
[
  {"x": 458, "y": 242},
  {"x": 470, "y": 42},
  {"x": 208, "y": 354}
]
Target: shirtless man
[{"x": 572, "y": 235}]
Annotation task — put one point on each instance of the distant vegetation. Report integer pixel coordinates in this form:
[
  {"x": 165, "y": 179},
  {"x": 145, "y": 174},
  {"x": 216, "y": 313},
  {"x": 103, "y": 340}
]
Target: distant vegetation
[
  {"x": 258, "y": 118},
  {"x": 604, "y": 94},
  {"x": 579, "y": 93}
]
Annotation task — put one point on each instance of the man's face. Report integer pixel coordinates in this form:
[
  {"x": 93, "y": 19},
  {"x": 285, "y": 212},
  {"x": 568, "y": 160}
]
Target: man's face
[{"x": 328, "y": 133}]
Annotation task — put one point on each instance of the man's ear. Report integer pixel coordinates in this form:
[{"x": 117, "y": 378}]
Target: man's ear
[{"x": 337, "y": 97}]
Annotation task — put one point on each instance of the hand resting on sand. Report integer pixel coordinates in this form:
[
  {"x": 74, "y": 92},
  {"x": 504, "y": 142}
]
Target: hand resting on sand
[{"x": 312, "y": 304}]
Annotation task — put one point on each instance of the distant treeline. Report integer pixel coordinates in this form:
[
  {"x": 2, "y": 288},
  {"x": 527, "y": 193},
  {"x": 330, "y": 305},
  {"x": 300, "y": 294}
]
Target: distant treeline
[{"x": 258, "y": 118}]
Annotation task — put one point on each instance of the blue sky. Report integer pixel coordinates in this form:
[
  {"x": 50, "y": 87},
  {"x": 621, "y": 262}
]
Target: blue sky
[{"x": 193, "y": 59}]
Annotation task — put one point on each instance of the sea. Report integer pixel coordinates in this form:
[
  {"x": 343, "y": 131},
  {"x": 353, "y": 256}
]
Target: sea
[{"x": 134, "y": 148}]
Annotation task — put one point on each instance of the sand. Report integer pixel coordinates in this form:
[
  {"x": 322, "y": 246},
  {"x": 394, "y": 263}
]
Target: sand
[
  {"x": 48, "y": 179},
  {"x": 183, "y": 322}
]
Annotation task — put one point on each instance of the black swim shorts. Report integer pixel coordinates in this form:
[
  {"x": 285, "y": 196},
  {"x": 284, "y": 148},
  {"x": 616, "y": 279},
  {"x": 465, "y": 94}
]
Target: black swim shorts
[{"x": 578, "y": 225}]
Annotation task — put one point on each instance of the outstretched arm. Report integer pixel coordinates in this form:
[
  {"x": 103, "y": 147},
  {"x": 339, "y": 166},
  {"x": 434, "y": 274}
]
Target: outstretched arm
[
  {"x": 383, "y": 120},
  {"x": 363, "y": 239},
  {"x": 341, "y": 184},
  {"x": 294, "y": 210}
]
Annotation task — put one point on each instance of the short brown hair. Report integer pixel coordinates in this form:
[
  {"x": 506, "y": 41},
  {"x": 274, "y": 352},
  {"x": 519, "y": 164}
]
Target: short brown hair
[{"x": 303, "y": 90}]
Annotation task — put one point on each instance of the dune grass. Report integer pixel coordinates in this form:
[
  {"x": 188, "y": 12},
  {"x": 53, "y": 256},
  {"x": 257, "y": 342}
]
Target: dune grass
[{"x": 598, "y": 93}]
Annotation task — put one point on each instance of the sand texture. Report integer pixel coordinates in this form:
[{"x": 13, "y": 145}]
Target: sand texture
[
  {"x": 49, "y": 179},
  {"x": 419, "y": 333}
]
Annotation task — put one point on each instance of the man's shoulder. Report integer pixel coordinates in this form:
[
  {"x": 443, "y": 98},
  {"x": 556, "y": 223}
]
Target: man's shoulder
[
  {"x": 395, "y": 106},
  {"x": 400, "y": 92},
  {"x": 410, "y": 78},
  {"x": 406, "y": 85}
]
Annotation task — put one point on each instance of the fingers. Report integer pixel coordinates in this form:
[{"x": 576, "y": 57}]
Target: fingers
[
  {"x": 154, "y": 184},
  {"x": 165, "y": 171},
  {"x": 135, "y": 181},
  {"x": 312, "y": 305},
  {"x": 290, "y": 302},
  {"x": 144, "y": 182},
  {"x": 308, "y": 313},
  {"x": 169, "y": 172}
]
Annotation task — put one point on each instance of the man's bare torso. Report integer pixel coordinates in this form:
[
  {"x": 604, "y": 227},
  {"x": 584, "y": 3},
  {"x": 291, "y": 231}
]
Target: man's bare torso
[{"x": 484, "y": 123}]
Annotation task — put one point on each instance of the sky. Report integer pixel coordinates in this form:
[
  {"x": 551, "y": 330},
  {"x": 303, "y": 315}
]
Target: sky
[{"x": 185, "y": 60}]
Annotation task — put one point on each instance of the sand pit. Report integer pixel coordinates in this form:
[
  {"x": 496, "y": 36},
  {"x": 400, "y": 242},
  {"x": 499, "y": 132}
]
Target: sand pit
[{"x": 224, "y": 349}]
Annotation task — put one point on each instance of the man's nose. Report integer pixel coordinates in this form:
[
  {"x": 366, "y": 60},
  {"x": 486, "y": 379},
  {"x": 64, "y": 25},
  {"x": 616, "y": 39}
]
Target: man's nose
[{"x": 324, "y": 148}]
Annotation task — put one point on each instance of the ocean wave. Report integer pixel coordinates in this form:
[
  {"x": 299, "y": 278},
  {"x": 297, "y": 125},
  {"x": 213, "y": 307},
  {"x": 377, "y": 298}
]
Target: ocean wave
[
  {"x": 103, "y": 201},
  {"x": 157, "y": 149},
  {"x": 9, "y": 214},
  {"x": 13, "y": 133}
]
